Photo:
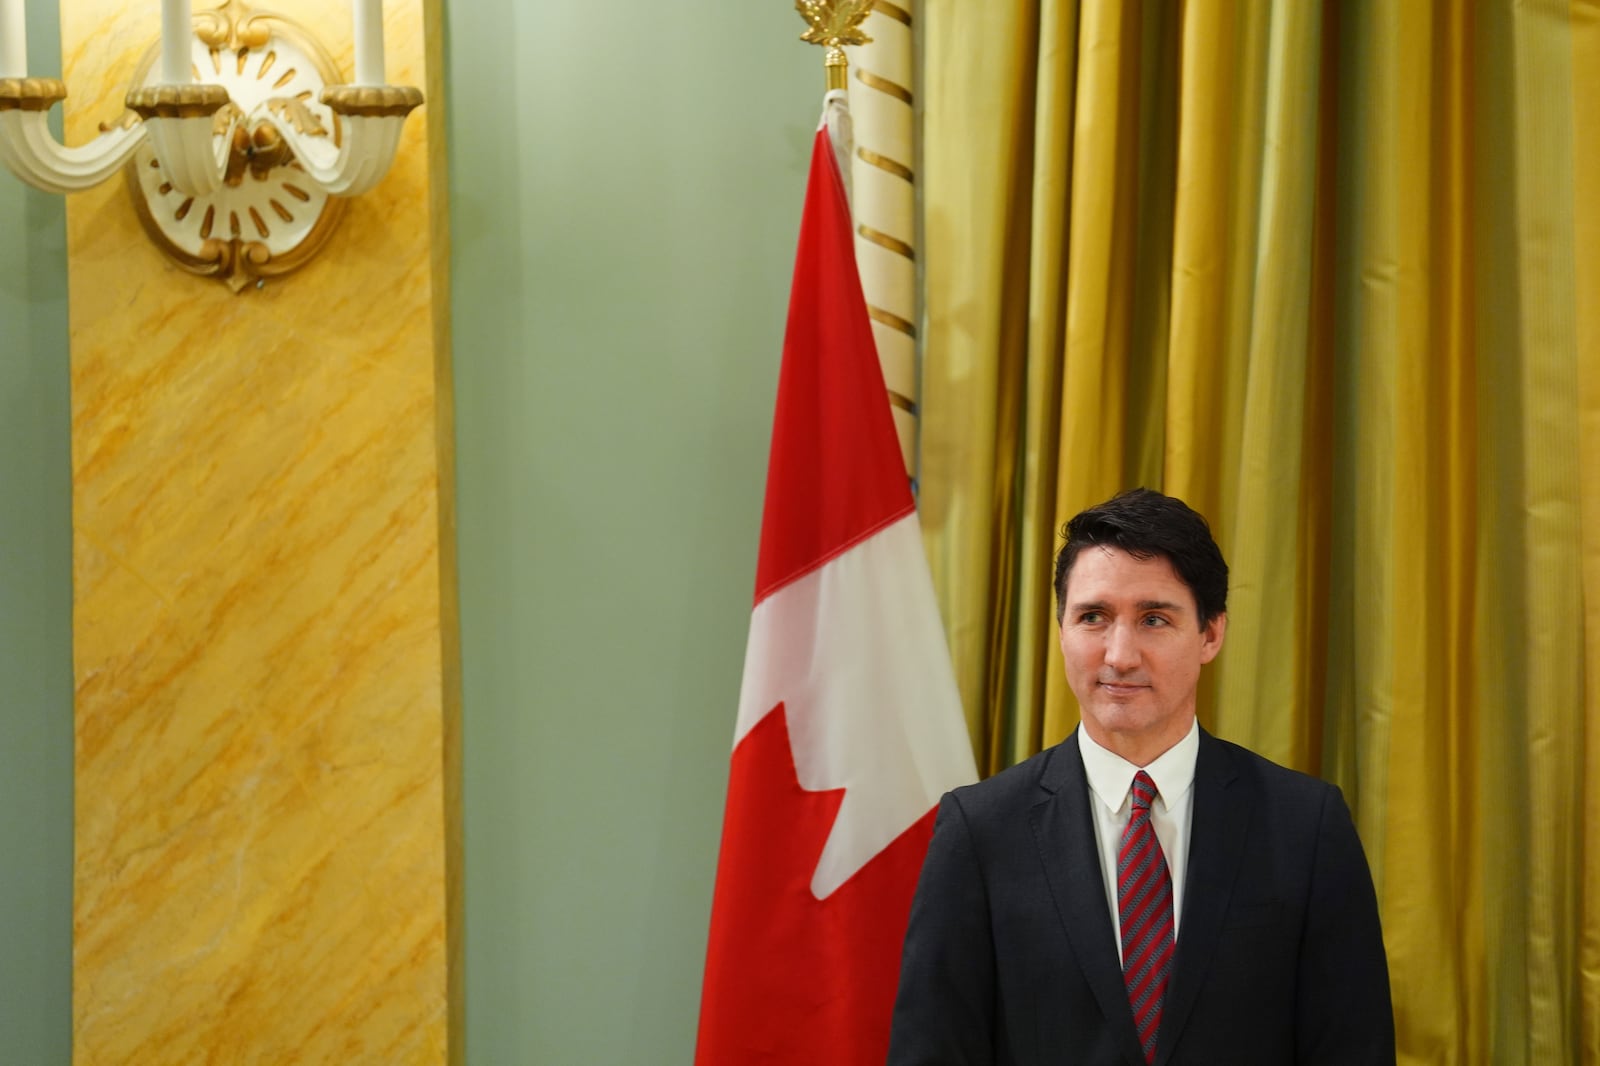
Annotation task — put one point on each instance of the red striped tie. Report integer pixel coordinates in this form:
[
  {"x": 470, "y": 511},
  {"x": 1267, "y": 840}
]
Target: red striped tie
[{"x": 1144, "y": 907}]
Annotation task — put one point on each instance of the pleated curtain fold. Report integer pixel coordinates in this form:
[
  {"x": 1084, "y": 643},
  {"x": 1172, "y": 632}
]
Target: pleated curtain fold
[{"x": 1331, "y": 273}]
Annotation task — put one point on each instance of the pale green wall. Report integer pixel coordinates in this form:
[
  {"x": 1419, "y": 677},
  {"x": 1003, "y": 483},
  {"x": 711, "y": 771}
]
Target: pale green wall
[
  {"x": 626, "y": 183},
  {"x": 35, "y": 615}
]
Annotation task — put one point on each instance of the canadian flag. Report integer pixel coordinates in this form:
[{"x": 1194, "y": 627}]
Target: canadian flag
[{"x": 850, "y": 726}]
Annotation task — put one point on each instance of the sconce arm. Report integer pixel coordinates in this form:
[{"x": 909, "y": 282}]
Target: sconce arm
[
  {"x": 191, "y": 129},
  {"x": 373, "y": 117},
  {"x": 31, "y": 152}
]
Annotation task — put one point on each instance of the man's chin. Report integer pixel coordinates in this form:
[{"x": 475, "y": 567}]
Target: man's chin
[{"x": 1126, "y": 717}]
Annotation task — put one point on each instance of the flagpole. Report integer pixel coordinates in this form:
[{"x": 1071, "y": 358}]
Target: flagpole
[
  {"x": 838, "y": 68},
  {"x": 874, "y": 148}
]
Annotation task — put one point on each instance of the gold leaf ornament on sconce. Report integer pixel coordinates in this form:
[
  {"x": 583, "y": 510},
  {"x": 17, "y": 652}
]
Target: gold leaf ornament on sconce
[
  {"x": 298, "y": 115},
  {"x": 242, "y": 172}
]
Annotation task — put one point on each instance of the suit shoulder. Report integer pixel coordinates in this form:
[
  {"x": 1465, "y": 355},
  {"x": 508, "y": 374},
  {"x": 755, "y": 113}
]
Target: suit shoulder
[
  {"x": 1285, "y": 786},
  {"x": 1015, "y": 786}
]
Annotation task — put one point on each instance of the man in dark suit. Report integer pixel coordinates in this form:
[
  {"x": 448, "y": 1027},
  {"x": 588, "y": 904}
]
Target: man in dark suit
[{"x": 1143, "y": 893}]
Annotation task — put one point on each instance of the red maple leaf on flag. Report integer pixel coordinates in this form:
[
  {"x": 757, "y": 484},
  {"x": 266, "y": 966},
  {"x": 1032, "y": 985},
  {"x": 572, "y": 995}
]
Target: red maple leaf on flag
[{"x": 839, "y": 956}]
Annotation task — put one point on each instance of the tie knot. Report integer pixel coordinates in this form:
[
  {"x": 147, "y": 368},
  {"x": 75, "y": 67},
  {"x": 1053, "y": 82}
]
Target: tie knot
[{"x": 1144, "y": 791}]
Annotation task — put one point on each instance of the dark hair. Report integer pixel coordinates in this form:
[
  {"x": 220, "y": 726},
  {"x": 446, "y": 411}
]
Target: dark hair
[{"x": 1146, "y": 524}]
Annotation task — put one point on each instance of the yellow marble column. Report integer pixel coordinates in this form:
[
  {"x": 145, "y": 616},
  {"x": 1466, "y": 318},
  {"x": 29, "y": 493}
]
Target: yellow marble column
[{"x": 267, "y": 793}]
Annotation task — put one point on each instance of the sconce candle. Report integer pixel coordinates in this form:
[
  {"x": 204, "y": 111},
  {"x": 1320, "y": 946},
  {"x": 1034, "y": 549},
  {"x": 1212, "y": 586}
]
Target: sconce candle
[
  {"x": 177, "y": 28},
  {"x": 369, "y": 42},
  {"x": 13, "y": 40}
]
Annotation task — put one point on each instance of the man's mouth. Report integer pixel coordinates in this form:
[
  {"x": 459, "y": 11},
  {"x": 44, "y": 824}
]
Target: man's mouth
[{"x": 1122, "y": 688}]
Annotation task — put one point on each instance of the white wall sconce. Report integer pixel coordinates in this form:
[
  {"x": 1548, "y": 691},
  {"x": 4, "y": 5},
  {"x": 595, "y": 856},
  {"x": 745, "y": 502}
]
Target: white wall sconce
[{"x": 238, "y": 141}]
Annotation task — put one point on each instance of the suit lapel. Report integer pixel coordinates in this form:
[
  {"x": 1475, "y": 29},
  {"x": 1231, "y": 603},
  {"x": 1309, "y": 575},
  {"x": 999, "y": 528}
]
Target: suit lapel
[
  {"x": 1064, "y": 832},
  {"x": 1221, "y": 820}
]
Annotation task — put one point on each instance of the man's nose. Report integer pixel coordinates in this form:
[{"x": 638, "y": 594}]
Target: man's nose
[{"x": 1122, "y": 651}]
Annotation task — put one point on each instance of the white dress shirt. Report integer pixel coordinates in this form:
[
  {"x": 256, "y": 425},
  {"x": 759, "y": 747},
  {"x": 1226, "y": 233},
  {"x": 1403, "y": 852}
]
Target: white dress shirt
[{"x": 1111, "y": 786}]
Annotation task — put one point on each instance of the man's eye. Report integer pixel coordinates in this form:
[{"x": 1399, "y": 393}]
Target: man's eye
[
  {"x": 1090, "y": 618},
  {"x": 1155, "y": 620}
]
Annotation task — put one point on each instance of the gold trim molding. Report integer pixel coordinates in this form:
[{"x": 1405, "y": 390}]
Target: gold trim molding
[
  {"x": 177, "y": 101},
  {"x": 883, "y": 240},
  {"x": 884, "y": 85},
  {"x": 885, "y": 164},
  {"x": 372, "y": 101},
  {"x": 31, "y": 94},
  {"x": 892, "y": 320},
  {"x": 894, "y": 11}
]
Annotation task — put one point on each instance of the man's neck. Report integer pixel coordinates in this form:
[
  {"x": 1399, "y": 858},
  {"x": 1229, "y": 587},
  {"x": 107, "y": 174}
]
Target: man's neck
[{"x": 1140, "y": 749}]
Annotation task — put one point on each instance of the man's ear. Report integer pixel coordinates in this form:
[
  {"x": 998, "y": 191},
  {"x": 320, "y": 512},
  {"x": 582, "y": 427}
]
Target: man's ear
[{"x": 1211, "y": 635}]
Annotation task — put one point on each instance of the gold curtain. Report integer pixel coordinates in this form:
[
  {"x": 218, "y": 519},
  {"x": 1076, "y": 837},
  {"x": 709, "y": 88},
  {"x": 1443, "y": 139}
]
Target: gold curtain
[{"x": 1331, "y": 273}]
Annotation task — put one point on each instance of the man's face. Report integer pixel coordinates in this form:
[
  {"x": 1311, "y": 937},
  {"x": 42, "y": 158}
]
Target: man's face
[{"x": 1133, "y": 646}]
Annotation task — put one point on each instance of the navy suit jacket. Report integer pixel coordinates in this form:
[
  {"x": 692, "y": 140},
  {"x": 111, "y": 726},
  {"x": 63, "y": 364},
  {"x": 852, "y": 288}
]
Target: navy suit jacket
[{"x": 1010, "y": 957}]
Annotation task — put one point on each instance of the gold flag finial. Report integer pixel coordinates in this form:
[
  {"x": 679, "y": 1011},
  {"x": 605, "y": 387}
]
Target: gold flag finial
[{"x": 835, "y": 24}]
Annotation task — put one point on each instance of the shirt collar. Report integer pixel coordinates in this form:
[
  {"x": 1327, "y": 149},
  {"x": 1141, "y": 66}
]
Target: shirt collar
[{"x": 1111, "y": 776}]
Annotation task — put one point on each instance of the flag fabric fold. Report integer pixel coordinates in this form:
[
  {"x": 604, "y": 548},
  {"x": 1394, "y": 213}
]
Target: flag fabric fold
[{"x": 849, "y": 725}]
